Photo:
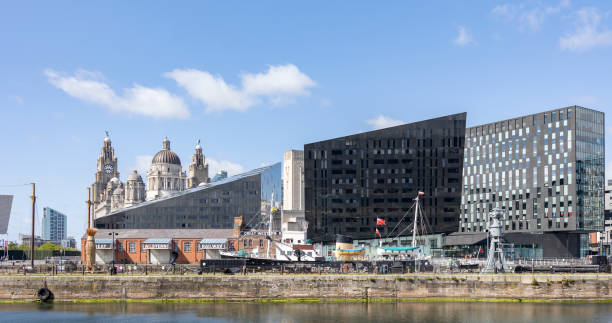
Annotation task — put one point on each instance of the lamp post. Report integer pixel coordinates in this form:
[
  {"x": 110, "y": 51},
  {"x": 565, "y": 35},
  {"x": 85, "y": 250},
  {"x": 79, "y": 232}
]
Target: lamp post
[{"x": 113, "y": 234}]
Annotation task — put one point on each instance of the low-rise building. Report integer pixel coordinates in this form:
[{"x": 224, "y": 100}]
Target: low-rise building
[{"x": 158, "y": 246}]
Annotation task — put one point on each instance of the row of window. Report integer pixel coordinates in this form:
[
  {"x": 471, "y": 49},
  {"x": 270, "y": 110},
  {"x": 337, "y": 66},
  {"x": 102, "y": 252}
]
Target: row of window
[
  {"x": 519, "y": 123},
  {"x": 132, "y": 246}
]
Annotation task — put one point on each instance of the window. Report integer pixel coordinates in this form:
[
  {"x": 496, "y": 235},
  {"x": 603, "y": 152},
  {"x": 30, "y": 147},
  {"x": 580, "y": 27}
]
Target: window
[
  {"x": 132, "y": 247},
  {"x": 261, "y": 243},
  {"x": 187, "y": 246}
]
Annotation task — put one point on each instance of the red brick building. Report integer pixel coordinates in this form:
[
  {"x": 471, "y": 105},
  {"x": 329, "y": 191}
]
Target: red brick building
[{"x": 146, "y": 246}]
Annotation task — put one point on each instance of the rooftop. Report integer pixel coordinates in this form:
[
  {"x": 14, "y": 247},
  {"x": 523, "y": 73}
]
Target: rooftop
[
  {"x": 165, "y": 233},
  {"x": 199, "y": 188}
]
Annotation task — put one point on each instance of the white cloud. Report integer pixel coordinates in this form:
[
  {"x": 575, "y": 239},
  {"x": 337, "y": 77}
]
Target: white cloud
[
  {"x": 211, "y": 90},
  {"x": 506, "y": 11},
  {"x": 215, "y": 166},
  {"x": 280, "y": 84},
  {"x": 464, "y": 37},
  {"x": 142, "y": 166},
  {"x": 381, "y": 122},
  {"x": 528, "y": 17},
  {"x": 89, "y": 87},
  {"x": 588, "y": 32}
]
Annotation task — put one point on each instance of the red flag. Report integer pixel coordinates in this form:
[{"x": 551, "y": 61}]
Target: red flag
[
  {"x": 378, "y": 233},
  {"x": 421, "y": 193},
  {"x": 380, "y": 221},
  {"x": 570, "y": 214}
]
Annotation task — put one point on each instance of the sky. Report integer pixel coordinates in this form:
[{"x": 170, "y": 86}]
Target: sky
[{"x": 252, "y": 79}]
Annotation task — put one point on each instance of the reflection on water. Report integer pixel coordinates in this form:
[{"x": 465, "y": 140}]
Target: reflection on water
[{"x": 250, "y": 312}]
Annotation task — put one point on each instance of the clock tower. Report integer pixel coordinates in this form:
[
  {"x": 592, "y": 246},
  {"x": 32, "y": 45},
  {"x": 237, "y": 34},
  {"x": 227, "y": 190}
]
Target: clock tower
[{"x": 107, "y": 169}]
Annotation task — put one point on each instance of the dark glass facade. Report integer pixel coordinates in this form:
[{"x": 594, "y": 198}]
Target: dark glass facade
[
  {"x": 590, "y": 168},
  {"x": 546, "y": 170},
  {"x": 351, "y": 181},
  {"x": 209, "y": 206}
]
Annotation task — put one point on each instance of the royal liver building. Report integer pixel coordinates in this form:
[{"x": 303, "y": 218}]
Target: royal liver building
[{"x": 165, "y": 177}]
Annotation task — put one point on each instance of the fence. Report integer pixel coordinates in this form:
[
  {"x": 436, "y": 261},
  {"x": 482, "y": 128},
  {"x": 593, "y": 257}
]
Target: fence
[{"x": 245, "y": 266}]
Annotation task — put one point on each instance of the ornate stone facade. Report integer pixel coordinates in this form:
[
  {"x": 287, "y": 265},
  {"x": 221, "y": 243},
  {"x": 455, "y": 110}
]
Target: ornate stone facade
[
  {"x": 165, "y": 177},
  {"x": 106, "y": 170},
  {"x": 134, "y": 190},
  {"x": 198, "y": 169},
  {"x": 166, "y": 174}
]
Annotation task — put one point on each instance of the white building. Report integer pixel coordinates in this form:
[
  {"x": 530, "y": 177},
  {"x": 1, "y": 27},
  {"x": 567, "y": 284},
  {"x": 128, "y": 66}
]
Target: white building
[
  {"x": 293, "y": 180},
  {"x": 293, "y": 223},
  {"x": 166, "y": 175}
]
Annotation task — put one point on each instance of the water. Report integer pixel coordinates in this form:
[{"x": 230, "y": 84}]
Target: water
[{"x": 354, "y": 313}]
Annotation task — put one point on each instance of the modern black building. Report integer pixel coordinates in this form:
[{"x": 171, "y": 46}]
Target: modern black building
[
  {"x": 546, "y": 170},
  {"x": 351, "y": 181},
  {"x": 208, "y": 206}
]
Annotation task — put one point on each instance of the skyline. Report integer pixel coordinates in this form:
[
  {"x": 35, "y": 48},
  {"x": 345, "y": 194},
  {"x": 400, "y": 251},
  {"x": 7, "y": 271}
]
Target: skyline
[{"x": 250, "y": 91}]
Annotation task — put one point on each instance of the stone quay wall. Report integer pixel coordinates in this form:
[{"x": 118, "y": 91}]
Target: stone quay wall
[{"x": 238, "y": 287}]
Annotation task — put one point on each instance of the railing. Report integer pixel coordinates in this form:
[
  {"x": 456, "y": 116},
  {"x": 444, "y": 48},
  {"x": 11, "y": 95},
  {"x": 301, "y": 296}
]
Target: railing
[{"x": 435, "y": 265}]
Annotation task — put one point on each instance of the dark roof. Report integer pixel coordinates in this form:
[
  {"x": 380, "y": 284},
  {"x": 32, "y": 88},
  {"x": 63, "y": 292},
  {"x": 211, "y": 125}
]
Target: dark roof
[
  {"x": 199, "y": 187},
  {"x": 166, "y": 233},
  {"x": 166, "y": 156},
  {"x": 463, "y": 239}
]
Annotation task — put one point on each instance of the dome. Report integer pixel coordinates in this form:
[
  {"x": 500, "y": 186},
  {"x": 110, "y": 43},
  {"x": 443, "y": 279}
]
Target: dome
[
  {"x": 134, "y": 177},
  {"x": 113, "y": 181},
  {"x": 166, "y": 157}
]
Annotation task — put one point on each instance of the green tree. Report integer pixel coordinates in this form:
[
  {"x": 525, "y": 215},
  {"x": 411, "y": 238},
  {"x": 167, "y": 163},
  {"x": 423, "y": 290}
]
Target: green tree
[
  {"x": 49, "y": 246},
  {"x": 13, "y": 246}
]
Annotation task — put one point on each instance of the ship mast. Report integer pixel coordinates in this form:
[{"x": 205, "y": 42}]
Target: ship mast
[
  {"x": 270, "y": 226},
  {"x": 414, "y": 227}
]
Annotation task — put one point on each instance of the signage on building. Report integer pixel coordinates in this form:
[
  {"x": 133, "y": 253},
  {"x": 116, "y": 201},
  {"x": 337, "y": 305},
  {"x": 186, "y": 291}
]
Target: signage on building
[
  {"x": 208, "y": 246},
  {"x": 103, "y": 246},
  {"x": 259, "y": 233},
  {"x": 157, "y": 246}
]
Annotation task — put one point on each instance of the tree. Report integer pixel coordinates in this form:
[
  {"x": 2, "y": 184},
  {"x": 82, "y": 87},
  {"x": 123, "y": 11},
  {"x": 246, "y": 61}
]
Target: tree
[
  {"x": 13, "y": 246},
  {"x": 49, "y": 246}
]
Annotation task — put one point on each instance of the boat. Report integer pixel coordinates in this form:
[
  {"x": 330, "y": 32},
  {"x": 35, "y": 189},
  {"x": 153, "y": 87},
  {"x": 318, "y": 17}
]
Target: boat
[{"x": 412, "y": 252}]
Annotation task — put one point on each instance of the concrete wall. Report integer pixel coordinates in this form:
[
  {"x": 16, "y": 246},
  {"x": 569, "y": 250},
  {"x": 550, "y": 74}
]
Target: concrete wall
[{"x": 310, "y": 286}]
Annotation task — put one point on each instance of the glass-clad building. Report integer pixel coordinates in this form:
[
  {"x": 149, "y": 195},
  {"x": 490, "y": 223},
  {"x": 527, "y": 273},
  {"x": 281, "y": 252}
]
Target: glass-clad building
[
  {"x": 53, "y": 225},
  {"x": 546, "y": 170},
  {"x": 351, "y": 181},
  {"x": 208, "y": 206}
]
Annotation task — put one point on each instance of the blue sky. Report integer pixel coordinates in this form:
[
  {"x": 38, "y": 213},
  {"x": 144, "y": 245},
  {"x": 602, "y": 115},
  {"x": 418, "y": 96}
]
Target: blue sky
[{"x": 253, "y": 79}]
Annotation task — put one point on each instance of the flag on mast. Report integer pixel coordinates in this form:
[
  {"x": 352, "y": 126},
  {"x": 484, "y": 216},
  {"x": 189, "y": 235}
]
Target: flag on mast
[
  {"x": 380, "y": 221},
  {"x": 378, "y": 233},
  {"x": 421, "y": 193}
]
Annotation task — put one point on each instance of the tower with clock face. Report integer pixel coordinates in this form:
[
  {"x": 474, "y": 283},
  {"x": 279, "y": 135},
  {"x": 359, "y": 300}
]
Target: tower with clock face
[{"x": 106, "y": 170}]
